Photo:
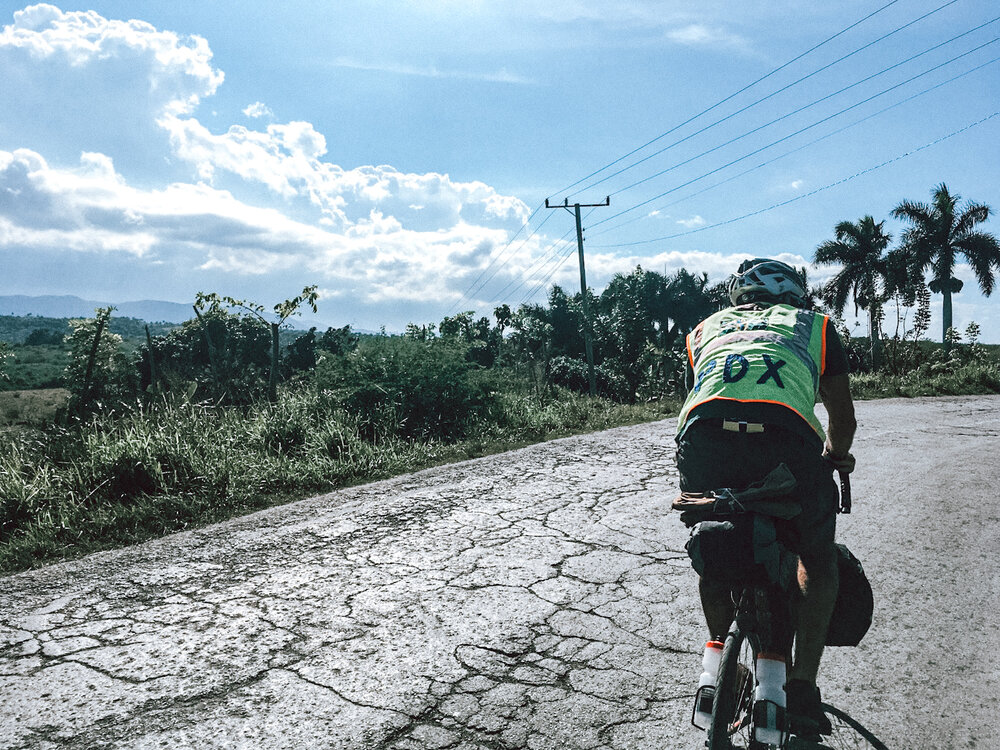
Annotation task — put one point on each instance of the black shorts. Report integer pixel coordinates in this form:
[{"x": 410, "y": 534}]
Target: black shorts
[{"x": 710, "y": 458}]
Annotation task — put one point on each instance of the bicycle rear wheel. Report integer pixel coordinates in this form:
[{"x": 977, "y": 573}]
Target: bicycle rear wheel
[
  {"x": 733, "y": 706},
  {"x": 848, "y": 732}
]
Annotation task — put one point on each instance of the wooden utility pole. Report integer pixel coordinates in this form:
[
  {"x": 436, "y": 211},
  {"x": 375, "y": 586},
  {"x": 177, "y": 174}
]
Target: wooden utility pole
[{"x": 587, "y": 338}]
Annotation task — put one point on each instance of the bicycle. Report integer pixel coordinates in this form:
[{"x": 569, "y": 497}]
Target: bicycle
[{"x": 735, "y": 712}]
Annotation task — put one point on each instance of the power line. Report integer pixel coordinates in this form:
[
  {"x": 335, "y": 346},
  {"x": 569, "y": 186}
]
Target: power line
[
  {"x": 544, "y": 282},
  {"x": 509, "y": 250},
  {"x": 812, "y": 192},
  {"x": 733, "y": 95},
  {"x": 551, "y": 253},
  {"x": 547, "y": 255},
  {"x": 797, "y": 132},
  {"x": 773, "y": 94},
  {"x": 800, "y": 148},
  {"x": 473, "y": 288},
  {"x": 818, "y": 101},
  {"x": 480, "y": 282}
]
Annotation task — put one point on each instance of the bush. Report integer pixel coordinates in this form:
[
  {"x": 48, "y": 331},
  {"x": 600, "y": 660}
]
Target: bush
[
  {"x": 396, "y": 387},
  {"x": 572, "y": 374}
]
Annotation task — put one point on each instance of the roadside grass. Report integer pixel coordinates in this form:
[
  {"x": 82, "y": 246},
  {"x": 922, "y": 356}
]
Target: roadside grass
[
  {"x": 66, "y": 491},
  {"x": 967, "y": 379},
  {"x": 70, "y": 489}
]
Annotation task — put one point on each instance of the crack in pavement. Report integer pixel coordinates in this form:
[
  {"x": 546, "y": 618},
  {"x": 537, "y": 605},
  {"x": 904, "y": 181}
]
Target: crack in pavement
[{"x": 537, "y": 599}]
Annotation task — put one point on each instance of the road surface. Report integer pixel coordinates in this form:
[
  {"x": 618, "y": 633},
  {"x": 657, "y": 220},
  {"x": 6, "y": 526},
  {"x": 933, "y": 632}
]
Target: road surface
[{"x": 536, "y": 599}]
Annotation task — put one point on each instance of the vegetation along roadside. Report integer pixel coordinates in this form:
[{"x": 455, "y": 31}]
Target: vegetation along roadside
[{"x": 162, "y": 428}]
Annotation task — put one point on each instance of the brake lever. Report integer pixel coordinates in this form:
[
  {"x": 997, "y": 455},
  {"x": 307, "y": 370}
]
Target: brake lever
[{"x": 845, "y": 493}]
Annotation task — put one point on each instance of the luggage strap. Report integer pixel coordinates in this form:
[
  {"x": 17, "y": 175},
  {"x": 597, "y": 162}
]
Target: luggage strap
[{"x": 759, "y": 497}]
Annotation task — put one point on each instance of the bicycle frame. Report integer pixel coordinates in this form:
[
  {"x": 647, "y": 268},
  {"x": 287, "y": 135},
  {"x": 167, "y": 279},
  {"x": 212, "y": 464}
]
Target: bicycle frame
[{"x": 754, "y": 627}]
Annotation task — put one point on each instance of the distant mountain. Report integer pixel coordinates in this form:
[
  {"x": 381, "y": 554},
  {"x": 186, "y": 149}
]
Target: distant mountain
[{"x": 73, "y": 307}]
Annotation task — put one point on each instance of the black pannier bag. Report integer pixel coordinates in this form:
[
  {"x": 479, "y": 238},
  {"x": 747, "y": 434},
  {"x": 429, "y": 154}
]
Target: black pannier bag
[
  {"x": 852, "y": 614},
  {"x": 740, "y": 550}
]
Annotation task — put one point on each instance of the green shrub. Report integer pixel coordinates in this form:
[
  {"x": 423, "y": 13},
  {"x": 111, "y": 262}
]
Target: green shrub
[{"x": 396, "y": 387}]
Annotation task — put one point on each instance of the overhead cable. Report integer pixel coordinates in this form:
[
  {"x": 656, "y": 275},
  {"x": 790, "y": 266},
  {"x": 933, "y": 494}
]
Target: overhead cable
[
  {"x": 779, "y": 91},
  {"x": 811, "y": 192},
  {"x": 813, "y": 142},
  {"x": 733, "y": 95},
  {"x": 797, "y": 132}
]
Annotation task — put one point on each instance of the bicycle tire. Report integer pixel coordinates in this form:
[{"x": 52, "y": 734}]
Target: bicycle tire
[
  {"x": 848, "y": 732},
  {"x": 732, "y": 709}
]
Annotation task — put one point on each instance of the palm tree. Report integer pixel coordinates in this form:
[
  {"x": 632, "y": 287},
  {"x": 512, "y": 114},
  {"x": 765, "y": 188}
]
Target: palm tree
[
  {"x": 858, "y": 249},
  {"x": 940, "y": 233}
]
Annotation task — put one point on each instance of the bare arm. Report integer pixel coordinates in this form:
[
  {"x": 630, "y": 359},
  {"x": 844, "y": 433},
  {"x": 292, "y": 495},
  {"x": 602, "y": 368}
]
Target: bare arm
[{"x": 835, "y": 391}]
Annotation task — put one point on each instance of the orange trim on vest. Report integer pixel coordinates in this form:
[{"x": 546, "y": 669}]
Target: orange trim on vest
[
  {"x": 822, "y": 362},
  {"x": 759, "y": 401}
]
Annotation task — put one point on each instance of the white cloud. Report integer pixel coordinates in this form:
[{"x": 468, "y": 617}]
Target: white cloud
[
  {"x": 287, "y": 160},
  {"x": 692, "y": 223},
  {"x": 91, "y": 209},
  {"x": 257, "y": 110},
  {"x": 178, "y": 68},
  {"x": 429, "y": 71},
  {"x": 378, "y": 234},
  {"x": 700, "y": 35}
]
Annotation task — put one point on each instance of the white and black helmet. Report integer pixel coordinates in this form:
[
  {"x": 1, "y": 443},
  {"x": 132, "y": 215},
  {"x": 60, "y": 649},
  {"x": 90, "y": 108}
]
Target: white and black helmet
[{"x": 766, "y": 280}]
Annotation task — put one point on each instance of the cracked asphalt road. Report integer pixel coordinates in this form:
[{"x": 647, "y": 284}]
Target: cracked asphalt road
[{"x": 535, "y": 599}]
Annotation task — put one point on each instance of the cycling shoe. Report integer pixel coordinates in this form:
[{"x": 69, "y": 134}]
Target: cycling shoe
[{"x": 804, "y": 710}]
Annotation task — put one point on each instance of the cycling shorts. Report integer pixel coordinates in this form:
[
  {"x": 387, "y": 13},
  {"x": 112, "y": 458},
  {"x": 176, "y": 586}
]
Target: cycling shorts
[{"x": 710, "y": 458}]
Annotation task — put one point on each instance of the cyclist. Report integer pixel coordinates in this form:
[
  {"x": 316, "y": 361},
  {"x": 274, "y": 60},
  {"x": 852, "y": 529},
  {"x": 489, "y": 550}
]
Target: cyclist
[{"x": 754, "y": 371}]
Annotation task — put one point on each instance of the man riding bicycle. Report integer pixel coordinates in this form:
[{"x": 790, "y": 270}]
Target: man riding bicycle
[{"x": 754, "y": 371}]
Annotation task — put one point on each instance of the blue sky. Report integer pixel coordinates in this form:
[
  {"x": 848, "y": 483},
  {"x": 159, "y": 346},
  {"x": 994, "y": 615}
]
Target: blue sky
[{"x": 392, "y": 152}]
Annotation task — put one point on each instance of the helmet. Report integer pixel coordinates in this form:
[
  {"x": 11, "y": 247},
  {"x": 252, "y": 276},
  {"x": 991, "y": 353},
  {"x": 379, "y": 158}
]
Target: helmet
[{"x": 765, "y": 280}]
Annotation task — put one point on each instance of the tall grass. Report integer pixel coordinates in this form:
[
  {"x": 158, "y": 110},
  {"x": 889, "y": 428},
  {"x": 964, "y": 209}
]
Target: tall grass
[
  {"x": 948, "y": 379},
  {"x": 145, "y": 472}
]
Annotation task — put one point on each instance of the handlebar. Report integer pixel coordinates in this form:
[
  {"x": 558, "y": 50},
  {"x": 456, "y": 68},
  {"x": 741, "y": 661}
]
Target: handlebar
[{"x": 845, "y": 493}]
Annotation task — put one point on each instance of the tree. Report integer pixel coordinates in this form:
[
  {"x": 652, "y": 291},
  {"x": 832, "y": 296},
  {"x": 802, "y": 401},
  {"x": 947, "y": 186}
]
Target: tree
[
  {"x": 531, "y": 340},
  {"x": 300, "y": 354},
  {"x": 628, "y": 328},
  {"x": 97, "y": 373},
  {"x": 504, "y": 316},
  {"x": 339, "y": 341},
  {"x": 858, "y": 249},
  {"x": 565, "y": 315},
  {"x": 281, "y": 312},
  {"x": 941, "y": 232},
  {"x": 219, "y": 357},
  {"x": 684, "y": 302}
]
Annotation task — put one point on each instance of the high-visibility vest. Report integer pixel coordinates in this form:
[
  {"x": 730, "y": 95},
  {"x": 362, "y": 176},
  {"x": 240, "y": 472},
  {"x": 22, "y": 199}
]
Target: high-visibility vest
[{"x": 759, "y": 355}]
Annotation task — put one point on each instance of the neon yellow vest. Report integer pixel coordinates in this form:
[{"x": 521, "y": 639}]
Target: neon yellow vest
[{"x": 747, "y": 354}]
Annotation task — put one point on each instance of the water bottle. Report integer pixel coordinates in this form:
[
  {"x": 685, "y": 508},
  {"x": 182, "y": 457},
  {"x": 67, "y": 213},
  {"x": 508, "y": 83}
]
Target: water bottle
[
  {"x": 706, "y": 685},
  {"x": 769, "y": 699}
]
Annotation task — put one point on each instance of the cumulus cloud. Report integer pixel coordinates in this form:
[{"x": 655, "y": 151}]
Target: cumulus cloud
[
  {"x": 178, "y": 68},
  {"x": 257, "y": 110},
  {"x": 286, "y": 158},
  {"x": 91, "y": 209},
  {"x": 375, "y": 233}
]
